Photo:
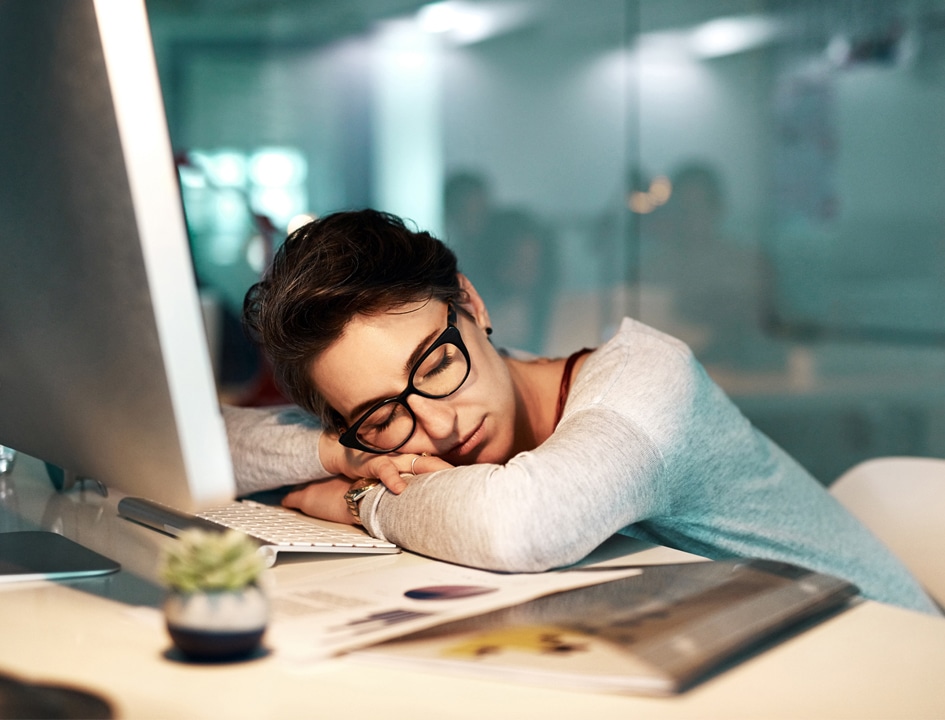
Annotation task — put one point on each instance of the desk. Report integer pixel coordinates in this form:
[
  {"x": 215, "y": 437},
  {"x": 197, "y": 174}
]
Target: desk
[{"x": 872, "y": 661}]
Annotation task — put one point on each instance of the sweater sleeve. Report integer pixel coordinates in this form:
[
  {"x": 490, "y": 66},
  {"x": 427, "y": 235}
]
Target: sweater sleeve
[
  {"x": 546, "y": 508},
  {"x": 272, "y": 447}
]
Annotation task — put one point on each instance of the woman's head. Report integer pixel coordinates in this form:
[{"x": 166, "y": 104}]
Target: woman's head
[
  {"x": 429, "y": 360},
  {"x": 345, "y": 264}
]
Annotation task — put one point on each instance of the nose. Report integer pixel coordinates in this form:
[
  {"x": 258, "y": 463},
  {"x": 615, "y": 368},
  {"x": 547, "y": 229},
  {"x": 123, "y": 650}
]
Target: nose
[{"x": 436, "y": 418}]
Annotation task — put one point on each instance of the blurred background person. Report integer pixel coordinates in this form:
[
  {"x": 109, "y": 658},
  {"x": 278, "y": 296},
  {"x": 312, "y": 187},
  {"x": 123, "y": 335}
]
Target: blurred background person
[
  {"x": 519, "y": 289},
  {"x": 716, "y": 290}
]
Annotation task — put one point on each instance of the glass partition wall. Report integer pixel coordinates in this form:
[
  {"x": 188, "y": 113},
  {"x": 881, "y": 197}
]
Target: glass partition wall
[{"x": 763, "y": 179}]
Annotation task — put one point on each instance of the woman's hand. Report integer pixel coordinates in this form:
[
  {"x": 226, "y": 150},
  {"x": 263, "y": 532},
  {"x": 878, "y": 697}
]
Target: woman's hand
[
  {"x": 389, "y": 469},
  {"x": 323, "y": 499}
]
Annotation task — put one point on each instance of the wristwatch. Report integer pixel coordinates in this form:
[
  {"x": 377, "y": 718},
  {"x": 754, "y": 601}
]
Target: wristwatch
[{"x": 358, "y": 489}]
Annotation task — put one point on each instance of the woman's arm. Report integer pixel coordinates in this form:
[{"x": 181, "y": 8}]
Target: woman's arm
[
  {"x": 277, "y": 446},
  {"x": 546, "y": 508},
  {"x": 272, "y": 447}
]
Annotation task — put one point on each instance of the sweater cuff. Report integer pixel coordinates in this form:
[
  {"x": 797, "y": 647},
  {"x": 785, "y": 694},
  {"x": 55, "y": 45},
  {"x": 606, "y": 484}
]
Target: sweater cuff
[{"x": 368, "y": 512}]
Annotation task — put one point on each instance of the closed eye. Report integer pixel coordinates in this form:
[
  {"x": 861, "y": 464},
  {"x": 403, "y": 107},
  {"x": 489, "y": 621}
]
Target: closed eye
[
  {"x": 383, "y": 418},
  {"x": 434, "y": 366}
]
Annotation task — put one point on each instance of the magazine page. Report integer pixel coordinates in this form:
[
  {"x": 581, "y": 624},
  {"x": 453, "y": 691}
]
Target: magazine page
[{"x": 655, "y": 633}]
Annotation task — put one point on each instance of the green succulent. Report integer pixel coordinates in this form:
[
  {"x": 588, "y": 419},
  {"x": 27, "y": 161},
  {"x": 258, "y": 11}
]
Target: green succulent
[{"x": 208, "y": 561}]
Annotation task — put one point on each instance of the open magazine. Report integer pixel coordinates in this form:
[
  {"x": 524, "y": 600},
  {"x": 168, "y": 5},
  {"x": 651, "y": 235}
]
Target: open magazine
[
  {"x": 383, "y": 597},
  {"x": 655, "y": 633}
]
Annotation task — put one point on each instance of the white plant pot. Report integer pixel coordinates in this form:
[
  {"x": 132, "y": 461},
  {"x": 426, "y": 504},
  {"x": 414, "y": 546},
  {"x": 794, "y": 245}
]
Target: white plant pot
[{"x": 217, "y": 625}]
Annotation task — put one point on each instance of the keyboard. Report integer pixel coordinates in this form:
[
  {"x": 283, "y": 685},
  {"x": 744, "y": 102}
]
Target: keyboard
[{"x": 274, "y": 528}]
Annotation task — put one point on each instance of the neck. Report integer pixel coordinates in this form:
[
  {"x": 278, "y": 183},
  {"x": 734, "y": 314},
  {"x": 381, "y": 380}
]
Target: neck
[{"x": 536, "y": 384}]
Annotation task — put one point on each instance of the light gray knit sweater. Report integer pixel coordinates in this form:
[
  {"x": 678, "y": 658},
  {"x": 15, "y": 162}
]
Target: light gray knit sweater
[{"x": 648, "y": 446}]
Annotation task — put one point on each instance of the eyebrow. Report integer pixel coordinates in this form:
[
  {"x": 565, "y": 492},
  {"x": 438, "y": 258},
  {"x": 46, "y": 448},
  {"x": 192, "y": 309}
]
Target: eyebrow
[{"x": 421, "y": 348}]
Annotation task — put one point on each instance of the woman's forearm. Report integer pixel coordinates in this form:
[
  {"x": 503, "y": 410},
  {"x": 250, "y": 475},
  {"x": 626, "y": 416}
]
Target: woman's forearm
[
  {"x": 272, "y": 447},
  {"x": 546, "y": 508}
]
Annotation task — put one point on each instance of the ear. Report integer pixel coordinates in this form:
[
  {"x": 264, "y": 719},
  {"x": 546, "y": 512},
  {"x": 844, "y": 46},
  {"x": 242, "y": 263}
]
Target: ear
[{"x": 473, "y": 304}]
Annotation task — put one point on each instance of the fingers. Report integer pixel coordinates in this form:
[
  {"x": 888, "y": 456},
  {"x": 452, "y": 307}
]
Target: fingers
[
  {"x": 395, "y": 471},
  {"x": 428, "y": 463},
  {"x": 388, "y": 474}
]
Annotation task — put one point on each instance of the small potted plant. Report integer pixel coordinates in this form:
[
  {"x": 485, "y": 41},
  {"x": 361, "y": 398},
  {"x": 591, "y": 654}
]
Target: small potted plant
[{"x": 215, "y": 608}]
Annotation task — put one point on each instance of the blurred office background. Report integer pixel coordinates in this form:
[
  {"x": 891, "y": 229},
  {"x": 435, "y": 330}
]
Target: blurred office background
[{"x": 762, "y": 178}]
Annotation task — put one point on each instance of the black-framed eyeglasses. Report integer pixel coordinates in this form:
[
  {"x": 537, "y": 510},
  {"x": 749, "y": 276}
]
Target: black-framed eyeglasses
[{"x": 439, "y": 372}]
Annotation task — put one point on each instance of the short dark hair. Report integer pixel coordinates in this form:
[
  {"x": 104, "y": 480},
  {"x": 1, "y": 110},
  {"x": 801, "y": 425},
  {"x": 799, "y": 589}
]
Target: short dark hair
[{"x": 328, "y": 271}]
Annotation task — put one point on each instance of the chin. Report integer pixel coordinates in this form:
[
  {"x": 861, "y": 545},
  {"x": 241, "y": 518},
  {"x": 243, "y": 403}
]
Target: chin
[{"x": 496, "y": 452}]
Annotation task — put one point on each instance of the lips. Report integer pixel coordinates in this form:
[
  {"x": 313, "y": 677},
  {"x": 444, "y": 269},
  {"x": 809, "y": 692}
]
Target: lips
[{"x": 464, "y": 448}]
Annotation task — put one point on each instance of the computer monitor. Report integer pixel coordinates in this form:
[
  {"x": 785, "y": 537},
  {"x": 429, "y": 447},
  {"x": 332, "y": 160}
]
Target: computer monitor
[{"x": 104, "y": 366}]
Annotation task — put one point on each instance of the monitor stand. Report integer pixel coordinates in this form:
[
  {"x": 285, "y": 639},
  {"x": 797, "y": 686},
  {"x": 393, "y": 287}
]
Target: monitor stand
[
  {"x": 64, "y": 480},
  {"x": 45, "y": 555}
]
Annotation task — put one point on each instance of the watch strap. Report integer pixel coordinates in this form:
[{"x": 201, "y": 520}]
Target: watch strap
[{"x": 354, "y": 495}]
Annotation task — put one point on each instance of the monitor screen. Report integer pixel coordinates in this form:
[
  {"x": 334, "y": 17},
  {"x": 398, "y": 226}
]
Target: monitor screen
[{"x": 104, "y": 366}]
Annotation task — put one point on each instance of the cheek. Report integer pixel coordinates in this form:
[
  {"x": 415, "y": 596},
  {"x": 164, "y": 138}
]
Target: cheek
[
  {"x": 497, "y": 398},
  {"x": 489, "y": 381}
]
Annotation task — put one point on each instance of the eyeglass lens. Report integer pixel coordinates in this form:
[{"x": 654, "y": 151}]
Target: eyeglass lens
[{"x": 440, "y": 373}]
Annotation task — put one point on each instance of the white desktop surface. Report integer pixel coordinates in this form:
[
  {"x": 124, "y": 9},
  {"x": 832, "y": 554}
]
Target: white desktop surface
[{"x": 872, "y": 661}]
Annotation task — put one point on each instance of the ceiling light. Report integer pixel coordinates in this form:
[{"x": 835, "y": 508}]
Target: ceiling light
[{"x": 727, "y": 36}]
